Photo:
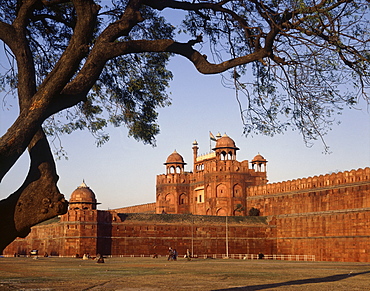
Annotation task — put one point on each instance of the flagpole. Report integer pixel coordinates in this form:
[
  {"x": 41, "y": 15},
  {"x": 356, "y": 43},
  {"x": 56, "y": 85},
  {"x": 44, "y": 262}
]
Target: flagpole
[
  {"x": 227, "y": 238},
  {"x": 211, "y": 138}
]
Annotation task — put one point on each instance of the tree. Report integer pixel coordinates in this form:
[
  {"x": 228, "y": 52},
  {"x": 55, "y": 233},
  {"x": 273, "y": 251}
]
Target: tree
[
  {"x": 81, "y": 64},
  {"x": 254, "y": 212}
]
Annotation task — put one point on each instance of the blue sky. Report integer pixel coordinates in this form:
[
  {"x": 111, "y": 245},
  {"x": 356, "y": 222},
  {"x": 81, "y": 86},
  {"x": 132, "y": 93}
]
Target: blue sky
[{"x": 123, "y": 171}]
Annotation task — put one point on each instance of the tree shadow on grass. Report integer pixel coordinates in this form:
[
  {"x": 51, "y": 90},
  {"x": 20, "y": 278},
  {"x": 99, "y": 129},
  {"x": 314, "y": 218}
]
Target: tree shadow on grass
[{"x": 296, "y": 282}]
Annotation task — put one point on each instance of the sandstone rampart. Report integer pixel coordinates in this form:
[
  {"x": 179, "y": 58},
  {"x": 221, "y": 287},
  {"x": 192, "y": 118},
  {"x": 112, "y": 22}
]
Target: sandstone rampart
[
  {"x": 142, "y": 208},
  {"x": 310, "y": 183}
]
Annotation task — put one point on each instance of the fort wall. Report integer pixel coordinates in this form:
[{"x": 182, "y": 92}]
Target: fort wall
[
  {"x": 146, "y": 234},
  {"x": 143, "y": 208},
  {"x": 347, "y": 190},
  {"x": 138, "y": 234},
  {"x": 327, "y": 216},
  {"x": 329, "y": 236},
  {"x": 310, "y": 183},
  {"x": 45, "y": 237}
]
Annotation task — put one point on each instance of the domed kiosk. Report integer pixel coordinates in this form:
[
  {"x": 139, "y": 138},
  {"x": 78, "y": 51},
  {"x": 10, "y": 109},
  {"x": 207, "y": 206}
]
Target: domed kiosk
[
  {"x": 175, "y": 163},
  {"x": 259, "y": 163},
  {"x": 83, "y": 198},
  {"x": 225, "y": 148}
]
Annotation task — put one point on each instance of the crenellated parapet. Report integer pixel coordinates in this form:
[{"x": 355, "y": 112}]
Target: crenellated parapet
[
  {"x": 142, "y": 208},
  {"x": 204, "y": 157},
  {"x": 174, "y": 178},
  {"x": 328, "y": 180}
]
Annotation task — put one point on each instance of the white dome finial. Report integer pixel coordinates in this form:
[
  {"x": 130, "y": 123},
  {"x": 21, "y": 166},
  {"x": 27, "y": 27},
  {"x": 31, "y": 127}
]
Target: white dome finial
[{"x": 83, "y": 185}]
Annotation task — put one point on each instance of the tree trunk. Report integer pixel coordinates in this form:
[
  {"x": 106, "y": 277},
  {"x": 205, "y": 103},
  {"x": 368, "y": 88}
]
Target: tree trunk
[{"x": 37, "y": 200}]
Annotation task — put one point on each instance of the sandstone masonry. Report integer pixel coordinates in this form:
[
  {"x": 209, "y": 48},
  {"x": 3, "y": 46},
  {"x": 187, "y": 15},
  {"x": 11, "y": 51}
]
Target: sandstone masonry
[{"x": 209, "y": 208}]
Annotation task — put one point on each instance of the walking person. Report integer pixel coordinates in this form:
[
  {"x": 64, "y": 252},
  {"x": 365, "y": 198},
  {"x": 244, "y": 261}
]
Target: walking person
[
  {"x": 170, "y": 254},
  {"x": 174, "y": 255},
  {"x": 188, "y": 254}
]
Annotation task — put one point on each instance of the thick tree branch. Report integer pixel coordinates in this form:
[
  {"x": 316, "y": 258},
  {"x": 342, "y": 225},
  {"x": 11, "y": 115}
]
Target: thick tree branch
[
  {"x": 184, "y": 49},
  {"x": 38, "y": 199},
  {"x": 7, "y": 34},
  {"x": 35, "y": 107},
  {"x": 130, "y": 17},
  {"x": 77, "y": 49},
  {"x": 102, "y": 52},
  {"x": 82, "y": 83}
]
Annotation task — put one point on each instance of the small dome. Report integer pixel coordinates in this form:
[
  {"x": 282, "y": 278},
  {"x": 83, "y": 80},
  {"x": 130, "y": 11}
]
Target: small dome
[
  {"x": 259, "y": 158},
  {"x": 175, "y": 158},
  {"x": 83, "y": 194},
  {"x": 225, "y": 142}
]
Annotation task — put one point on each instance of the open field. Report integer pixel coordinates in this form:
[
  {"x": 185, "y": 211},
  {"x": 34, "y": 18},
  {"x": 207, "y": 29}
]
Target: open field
[{"x": 48, "y": 274}]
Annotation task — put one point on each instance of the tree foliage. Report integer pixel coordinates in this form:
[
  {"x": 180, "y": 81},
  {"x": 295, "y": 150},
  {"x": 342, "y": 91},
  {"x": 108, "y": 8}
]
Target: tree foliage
[{"x": 84, "y": 64}]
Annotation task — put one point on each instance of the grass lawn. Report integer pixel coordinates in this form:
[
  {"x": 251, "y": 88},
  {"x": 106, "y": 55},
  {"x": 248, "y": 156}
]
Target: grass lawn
[{"x": 199, "y": 274}]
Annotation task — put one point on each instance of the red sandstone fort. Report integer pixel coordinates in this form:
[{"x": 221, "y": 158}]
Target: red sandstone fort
[{"x": 222, "y": 206}]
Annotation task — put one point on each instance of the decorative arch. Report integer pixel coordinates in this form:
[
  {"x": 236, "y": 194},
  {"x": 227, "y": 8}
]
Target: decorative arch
[
  {"x": 170, "y": 198},
  {"x": 223, "y": 155},
  {"x": 230, "y": 155},
  {"x": 237, "y": 191},
  {"x": 175, "y": 169},
  {"x": 221, "y": 191},
  {"x": 227, "y": 155},
  {"x": 209, "y": 211},
  {"x": 208, "y": 192},
  {"x": 183, "y": 199},
  {"x": 221, "y": 212}
]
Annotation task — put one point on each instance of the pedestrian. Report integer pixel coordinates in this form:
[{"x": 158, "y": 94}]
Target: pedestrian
[
  {"x": 188, "y": 254},
  {"x": 174, "y": 255},
  {"x": 170, "y": 254}
]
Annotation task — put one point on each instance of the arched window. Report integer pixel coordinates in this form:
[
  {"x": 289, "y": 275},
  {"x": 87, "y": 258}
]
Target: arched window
[
  {"x": 237, "y": 191},
  {"x": 182, "y": 199},
  {"x": 223, "y": 155},
  {"x": 230, "y": 155},
  {"x": 221, "y": 191}
]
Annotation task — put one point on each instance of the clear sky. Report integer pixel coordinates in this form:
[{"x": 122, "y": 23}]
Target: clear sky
[{"x": 123, "y": 171}]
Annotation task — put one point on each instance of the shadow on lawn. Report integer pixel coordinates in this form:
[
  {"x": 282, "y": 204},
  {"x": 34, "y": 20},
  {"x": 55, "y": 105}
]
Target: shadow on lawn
[{"x": 297, "y": 282}]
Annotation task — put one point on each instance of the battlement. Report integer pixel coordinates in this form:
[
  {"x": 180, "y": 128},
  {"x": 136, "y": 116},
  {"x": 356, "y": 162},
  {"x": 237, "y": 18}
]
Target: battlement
[
  {"x": 205, "y": 157},
  {"x": 174, "y": 178},
  {"x": 142, "y": 208},
  {"x": 306, "y": 184}
]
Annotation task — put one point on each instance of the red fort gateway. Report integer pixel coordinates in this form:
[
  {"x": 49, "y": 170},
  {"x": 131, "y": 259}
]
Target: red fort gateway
[{"x": 326, "y": 217}]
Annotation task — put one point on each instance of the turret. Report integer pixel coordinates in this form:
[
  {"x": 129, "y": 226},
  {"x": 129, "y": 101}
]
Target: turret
[
  {"x": 259, "y": 163},
  {"x": 225, "y": 148},
  {"x": 175, "y": 163},
  {"x": 195, "y": 154},
  {"x": 83, "y": 198}
]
